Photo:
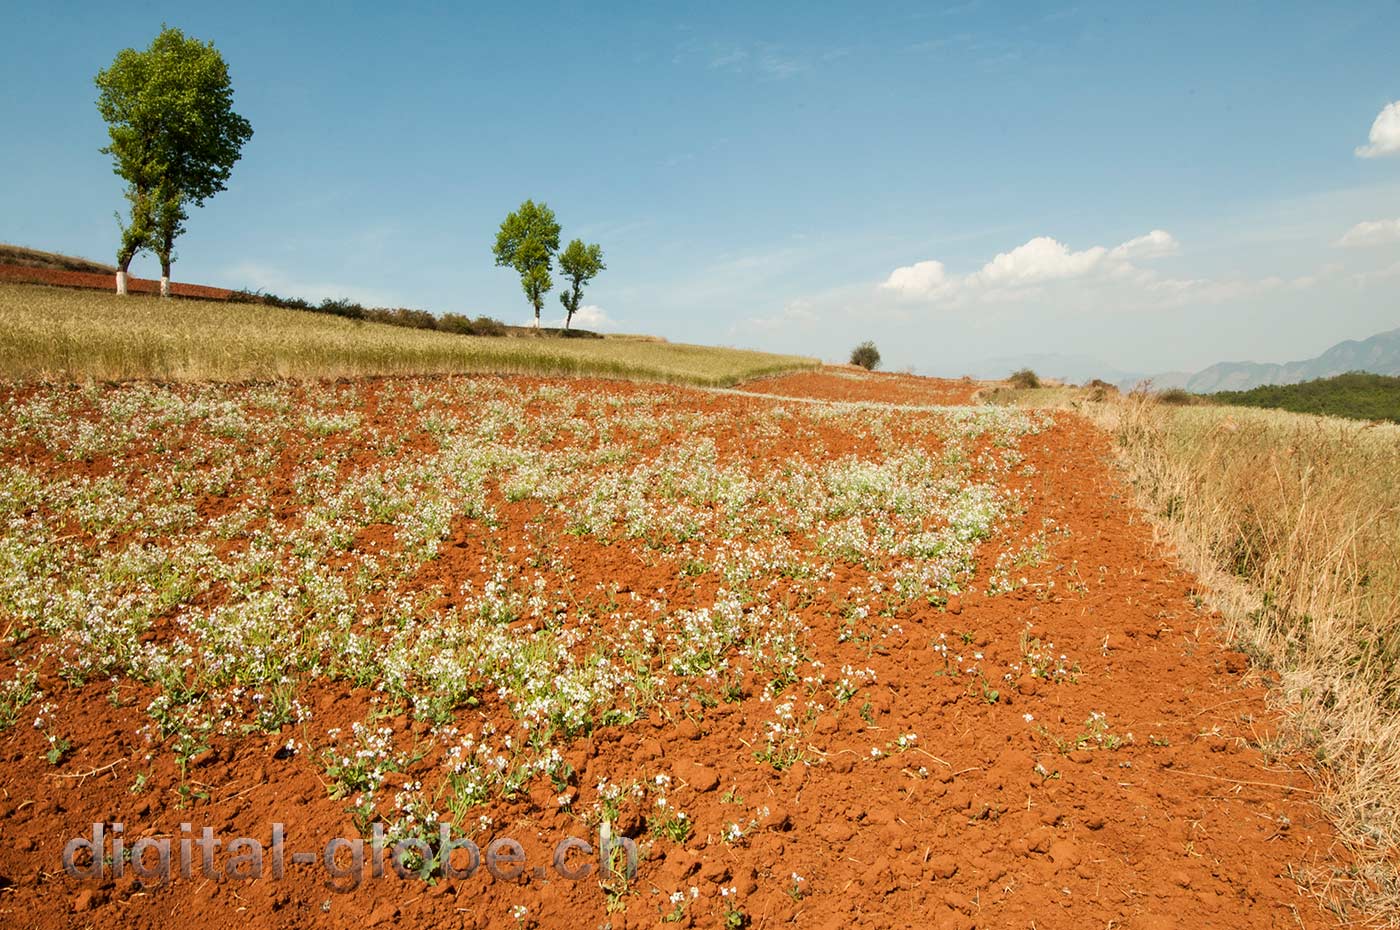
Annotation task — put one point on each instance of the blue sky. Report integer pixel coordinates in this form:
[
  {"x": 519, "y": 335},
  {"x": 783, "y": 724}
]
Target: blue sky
[{"x": 1157, "y": 186}]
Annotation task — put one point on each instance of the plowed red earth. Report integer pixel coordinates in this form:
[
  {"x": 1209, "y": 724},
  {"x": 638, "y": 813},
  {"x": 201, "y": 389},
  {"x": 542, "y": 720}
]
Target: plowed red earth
[
  {"x": 852, "y": 384},
  {"x": 987, "y": 822},
  {"x": 105, "y": 282}
]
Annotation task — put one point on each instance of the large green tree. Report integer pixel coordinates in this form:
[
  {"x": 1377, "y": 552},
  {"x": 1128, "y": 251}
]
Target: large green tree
[
  {"x": 174, "y": 138},
  {"x": 527, "y": 241},
  {"x": 580, "y": 264}
]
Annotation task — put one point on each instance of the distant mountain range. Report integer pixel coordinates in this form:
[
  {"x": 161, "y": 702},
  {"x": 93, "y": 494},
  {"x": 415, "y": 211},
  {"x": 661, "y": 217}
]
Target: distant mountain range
[{"x": 1379, "y": 354}]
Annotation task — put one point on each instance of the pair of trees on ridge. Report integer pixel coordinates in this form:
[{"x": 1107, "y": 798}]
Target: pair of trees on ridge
[{"x": 527, "y": 242}]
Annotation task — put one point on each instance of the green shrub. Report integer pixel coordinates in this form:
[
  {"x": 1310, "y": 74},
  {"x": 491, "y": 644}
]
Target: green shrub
[
  {"x": 1024, "y": 379},
  {"x": 402, "y": 316},
  {"x": 1177, "y": 397},
  {"x": 1100, "y": 390},
  {"x": 866, "y": 356},
  {"x": 466, "y": 326},
  {"x": 342, "y": 307}
]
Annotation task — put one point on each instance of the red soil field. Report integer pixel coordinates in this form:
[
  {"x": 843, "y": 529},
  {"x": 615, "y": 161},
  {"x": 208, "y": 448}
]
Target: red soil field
[
  {"x": 104, "y": 282},
  {"x": 847, "y": 383},
  {"x": 989, "y": 819}
]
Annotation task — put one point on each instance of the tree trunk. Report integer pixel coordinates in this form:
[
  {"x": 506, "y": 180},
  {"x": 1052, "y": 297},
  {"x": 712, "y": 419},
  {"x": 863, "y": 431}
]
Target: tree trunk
[
  {"x": 165, "y": 276},
  {"x": 121, "y": 283},
  {"x": 571, "y": 305}
]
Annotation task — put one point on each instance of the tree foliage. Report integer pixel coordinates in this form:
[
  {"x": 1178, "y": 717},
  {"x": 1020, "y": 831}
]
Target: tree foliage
[
  {"x": 174, "y": 136},
  {"x": 527, "y": 241},
  {"x": 1359, "y": 395},
  {"x": 866, "y": 356},
  {"x": 580, "y": 264}
]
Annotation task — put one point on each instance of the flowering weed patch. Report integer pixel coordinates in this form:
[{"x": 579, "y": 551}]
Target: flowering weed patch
[
  {"x": 794, "y": 651},
  {"x": 228, "y": 547}
]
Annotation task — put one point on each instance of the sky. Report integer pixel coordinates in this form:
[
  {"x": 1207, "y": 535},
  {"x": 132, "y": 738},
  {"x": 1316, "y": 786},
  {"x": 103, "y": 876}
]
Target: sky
[{"x": 1157, "y": 187}]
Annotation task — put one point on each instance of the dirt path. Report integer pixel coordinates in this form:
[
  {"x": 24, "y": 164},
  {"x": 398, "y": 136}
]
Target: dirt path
[{"x": 1125, "y": 785}]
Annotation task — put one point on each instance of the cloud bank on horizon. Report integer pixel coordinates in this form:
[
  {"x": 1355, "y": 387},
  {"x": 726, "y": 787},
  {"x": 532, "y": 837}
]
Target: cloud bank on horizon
[{"x": 1039, "y": 260}]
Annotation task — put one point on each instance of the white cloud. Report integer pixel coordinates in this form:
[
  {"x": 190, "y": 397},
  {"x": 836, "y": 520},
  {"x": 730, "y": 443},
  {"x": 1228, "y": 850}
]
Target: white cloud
[
  {"x": 1380, "y": 274},
  {"x": 1040, "y": 261},
  {"x": 922, "y": 279},
  {"x": 768, "y": 60},
  {"x": 729, "y": 59},
  {"x": 1385, "y": 134},
  {"x": 779, "y": 66},
  {"x": 1156, "y": 243},
  {"x": 1372, "y": 232},
  {"x": 591, "y": 316}
]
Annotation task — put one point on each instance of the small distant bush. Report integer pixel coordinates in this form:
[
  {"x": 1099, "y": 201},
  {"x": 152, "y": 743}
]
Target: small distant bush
[
  {"x": 342, "y": 307},
  {"x": 1176, "y": 397},
  {"x": 1024, "y": 379},
  {"x": 466, "y": 326},
  {"x": 270, "y": 300},
  {"x": 402, "y": 316},
  {"x": 1100, "y": 390},
  {"x": 866, "y": 356}
]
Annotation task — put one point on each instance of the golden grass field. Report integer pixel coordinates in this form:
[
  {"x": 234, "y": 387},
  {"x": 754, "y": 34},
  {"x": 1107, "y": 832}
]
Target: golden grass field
[{"x": 60, "y": 334}]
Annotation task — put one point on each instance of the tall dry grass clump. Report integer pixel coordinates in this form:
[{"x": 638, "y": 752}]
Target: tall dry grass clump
[{"x": 1293, "y": 521}]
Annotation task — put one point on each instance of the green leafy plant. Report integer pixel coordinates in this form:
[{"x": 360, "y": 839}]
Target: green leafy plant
[
  {"x": 58, "y": 749},
  {"x": 866, "y": 356}
]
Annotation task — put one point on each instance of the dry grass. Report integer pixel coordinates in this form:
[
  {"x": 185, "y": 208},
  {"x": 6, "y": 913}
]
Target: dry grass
[
  {"x": 58, "y": 334},
  {"x": 1293, "y": 522},
  {"x": 33, "y": 258}
]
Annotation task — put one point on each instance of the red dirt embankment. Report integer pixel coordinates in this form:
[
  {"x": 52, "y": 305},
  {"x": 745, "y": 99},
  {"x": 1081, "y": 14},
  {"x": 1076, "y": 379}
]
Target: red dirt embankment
[{"x": 22, "y": 274}]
